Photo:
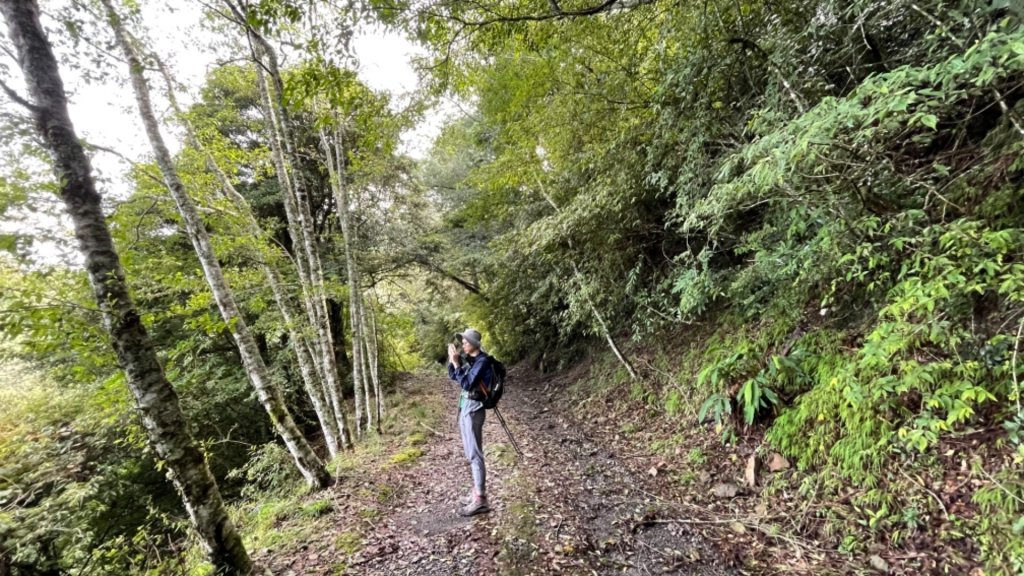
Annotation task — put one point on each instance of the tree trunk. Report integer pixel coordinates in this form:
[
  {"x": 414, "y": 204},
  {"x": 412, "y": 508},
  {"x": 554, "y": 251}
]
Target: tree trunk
[
  {"x": 372, "y": 416},
  {"x": 155, "y": 399},
  {"x": 288, "y": 199},
  {"x": 337, "y": 317},
  {"x": 314, "y": 386},
  {"x": 357, "y": 358},
  {"x": 375, "y": 366},
  {"x": 269, "y": 394},
  {"x": 335, "y": 166},
  {"x": 312, "y": 296},
  {"x": 300, "y": 343}
]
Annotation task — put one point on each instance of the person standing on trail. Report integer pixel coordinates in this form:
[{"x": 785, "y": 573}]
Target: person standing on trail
[{"x": 471, "y": 371}]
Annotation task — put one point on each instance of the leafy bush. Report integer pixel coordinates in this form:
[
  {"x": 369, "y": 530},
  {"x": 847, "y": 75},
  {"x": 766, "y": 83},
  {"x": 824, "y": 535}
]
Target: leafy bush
[{"x": 269, "y": 472}]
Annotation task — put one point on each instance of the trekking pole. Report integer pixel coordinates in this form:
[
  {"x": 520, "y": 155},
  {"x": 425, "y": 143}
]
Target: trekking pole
[{"x": 501, "y": 419}]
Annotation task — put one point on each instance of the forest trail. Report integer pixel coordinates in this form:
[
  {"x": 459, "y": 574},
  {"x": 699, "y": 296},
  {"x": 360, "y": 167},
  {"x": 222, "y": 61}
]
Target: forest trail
[{"x": 569, "y": 506}]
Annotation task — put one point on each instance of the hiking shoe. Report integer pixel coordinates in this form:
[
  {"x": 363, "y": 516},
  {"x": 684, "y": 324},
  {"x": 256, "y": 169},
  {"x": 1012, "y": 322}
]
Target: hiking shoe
[{"x": 477, "y": 506}]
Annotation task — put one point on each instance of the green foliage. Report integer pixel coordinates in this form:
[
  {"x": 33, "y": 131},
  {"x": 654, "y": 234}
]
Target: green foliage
[
  {"x": 1002, "y": 504},
  {"x": 718, "y": 407},
  {"x": 754, "y": 396},
  {"x": 69, "y": 458},
  {"x": 831, "y": 189},
  {"x": 269, "y": 471}
]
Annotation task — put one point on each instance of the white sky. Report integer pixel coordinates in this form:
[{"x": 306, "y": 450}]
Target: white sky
[{"x": 104, "y": 112}]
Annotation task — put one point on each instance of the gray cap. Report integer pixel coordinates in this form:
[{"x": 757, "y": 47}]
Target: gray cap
[{"x": 473, "y": 336}]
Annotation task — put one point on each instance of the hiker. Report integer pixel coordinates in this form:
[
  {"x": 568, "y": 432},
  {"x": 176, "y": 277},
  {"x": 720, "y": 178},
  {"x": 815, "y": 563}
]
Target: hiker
[{"x": 471, "y": 371}]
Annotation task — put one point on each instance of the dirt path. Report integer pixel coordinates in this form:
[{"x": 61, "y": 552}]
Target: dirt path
[
  {"x": 605, "y": 513},
  {"x": 569, "y": 506}
]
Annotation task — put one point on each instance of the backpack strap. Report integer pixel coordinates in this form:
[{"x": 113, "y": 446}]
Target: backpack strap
[{"x": 483, "y": 388}]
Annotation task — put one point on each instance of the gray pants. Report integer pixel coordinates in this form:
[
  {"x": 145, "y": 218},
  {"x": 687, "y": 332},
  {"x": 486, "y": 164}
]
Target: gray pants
[{"x": 471, "y": 425}]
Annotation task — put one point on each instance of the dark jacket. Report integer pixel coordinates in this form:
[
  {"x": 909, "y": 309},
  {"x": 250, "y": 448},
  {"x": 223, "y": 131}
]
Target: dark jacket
[{"x": 473, "y": 372}]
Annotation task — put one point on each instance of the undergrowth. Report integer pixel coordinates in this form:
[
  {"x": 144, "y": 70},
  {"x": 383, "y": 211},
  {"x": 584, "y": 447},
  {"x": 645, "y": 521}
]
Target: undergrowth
[{"x": 277, "y": 515}]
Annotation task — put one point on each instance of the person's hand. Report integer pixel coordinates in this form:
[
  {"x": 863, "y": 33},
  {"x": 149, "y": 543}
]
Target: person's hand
[{"x": 453, "y": 355}]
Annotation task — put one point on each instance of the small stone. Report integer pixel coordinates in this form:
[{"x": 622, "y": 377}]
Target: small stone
[
  {"x": 653, "y": 471},
  {"x": 878, "y": 563},
  {"x": 725, "y": 490},
  {"x": 778, "y": 463},
  {"x": 738, "y": 527},
  {"x": 750, "y": 475}
]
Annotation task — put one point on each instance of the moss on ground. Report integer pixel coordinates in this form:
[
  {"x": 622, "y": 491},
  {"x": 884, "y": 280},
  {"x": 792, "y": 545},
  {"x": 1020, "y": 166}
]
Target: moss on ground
[
  {"x": 407, "y": 456},
  {"x": 315, "y": 509},
  {"x": 416, "y": 439},
  {"x": 349, "y": 542},
  {"x": 519, "y": 544}
]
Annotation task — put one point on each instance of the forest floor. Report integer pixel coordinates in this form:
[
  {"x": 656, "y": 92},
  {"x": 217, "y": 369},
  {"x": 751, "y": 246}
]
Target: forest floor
[{"x": 589, "y": 496}]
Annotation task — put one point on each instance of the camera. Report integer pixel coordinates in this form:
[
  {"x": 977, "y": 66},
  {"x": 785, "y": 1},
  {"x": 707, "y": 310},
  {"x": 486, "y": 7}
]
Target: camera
[{"x": 457, "y": 343}]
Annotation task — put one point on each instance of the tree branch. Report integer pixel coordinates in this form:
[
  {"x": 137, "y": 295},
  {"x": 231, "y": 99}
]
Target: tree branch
[
  {"x": 556, "y": 13},
  {"x": 753, "y": 47},
  {"x": 469, "y": 286},
  {"x": 18, "y": 99}
]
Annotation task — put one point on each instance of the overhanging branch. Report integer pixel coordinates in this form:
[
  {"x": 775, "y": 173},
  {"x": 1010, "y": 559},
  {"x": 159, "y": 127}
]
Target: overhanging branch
[{"x": 556, "y": 13}]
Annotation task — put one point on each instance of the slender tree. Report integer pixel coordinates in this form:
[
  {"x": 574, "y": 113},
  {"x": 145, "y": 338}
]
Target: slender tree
[
  {"x": 297, "y": 212},
  {"x": 269, "y": 394},
  {"x": 155, "y": 398},
  {"x": 365, "y": 374},
  {"x": 374, "y": 348},
  {"x": 316, "y": 309},
  {"x": 372, "y": 417},
  {"x": 333, "y": 153},
  {"x": 311, "y": 378}
]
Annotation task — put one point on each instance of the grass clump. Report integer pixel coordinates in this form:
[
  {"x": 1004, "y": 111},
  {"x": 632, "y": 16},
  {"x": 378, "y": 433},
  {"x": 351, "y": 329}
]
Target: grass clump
[
  {"x": 519, "y": 545},
  {"x": 315, "y": 509},
  {"x": 268, "y": 514},
  {"x": 387, "y": 493},
  {"x": 501, "y": 453}
]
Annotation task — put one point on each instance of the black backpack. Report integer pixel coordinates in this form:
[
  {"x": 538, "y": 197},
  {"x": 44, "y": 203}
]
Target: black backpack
[{"x": 498, "y": 374}]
